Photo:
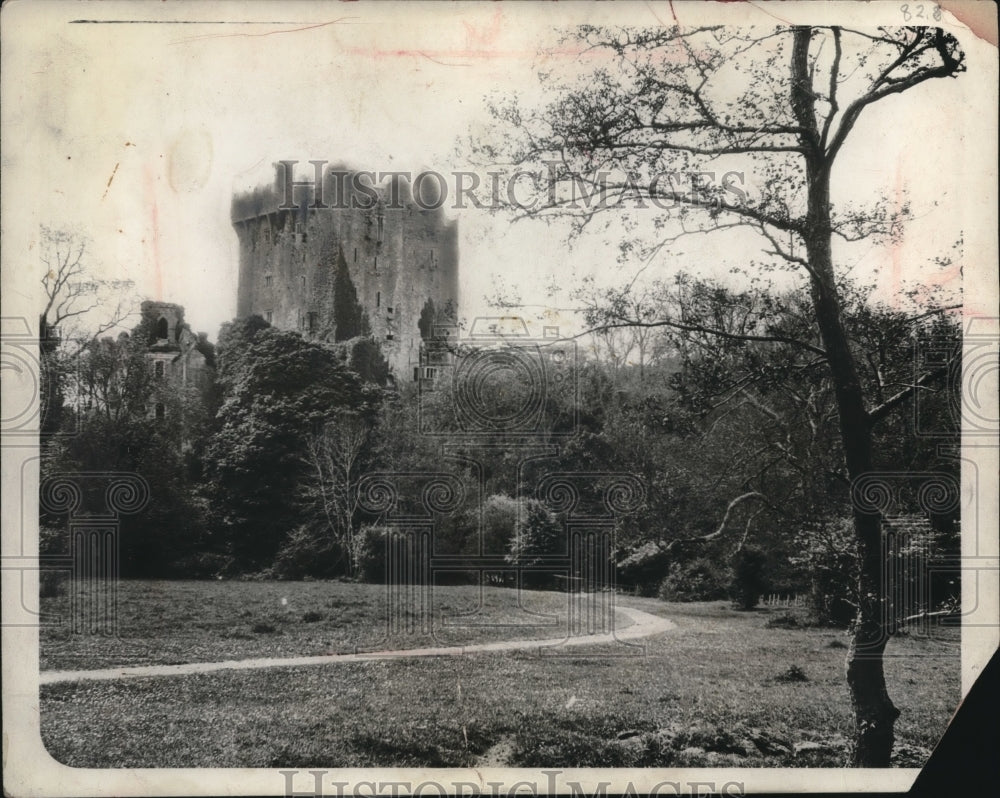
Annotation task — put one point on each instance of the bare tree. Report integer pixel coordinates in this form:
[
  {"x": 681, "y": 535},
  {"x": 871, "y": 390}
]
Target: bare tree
[
  {"x": 77, "y": 311},
  {"x": 782, "y": 103},
  {"x": 625, "y": 345},
  {"x": 333, "y": 454},
  {"x": 71, "y": 293}
]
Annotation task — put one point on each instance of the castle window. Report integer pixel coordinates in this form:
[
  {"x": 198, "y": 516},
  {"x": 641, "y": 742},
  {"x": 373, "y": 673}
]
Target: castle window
[
  {"x": 268, "y": 316},
  {"x": 389, "y": 336},
  {"x": 268, "y": 280},
  {"x": 355, "y": 254},
  {"x": 430, "y": 373},
  {"x": 162, "y": 328},
  {"x": 302, "y": 279},
  {"x": 161, "y": 412},
  {"x": 378, "y": 299},
  {"x": 311, "y": 321},
  {"x": 158, "y": 368},
  {"x": 389, "y": 310},
  {"x": 416, "y": 373},
  {"x": 381, "y": 224},
  {"x": 376, "y": 265}
]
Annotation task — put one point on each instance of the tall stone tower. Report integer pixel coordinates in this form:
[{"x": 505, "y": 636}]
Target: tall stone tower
[{"x": 370, "y": 261}]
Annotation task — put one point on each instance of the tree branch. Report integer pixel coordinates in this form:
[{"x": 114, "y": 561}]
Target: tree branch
[
  {"x": 732, "y": 505},
  {"x": 885, "y": 85},
  {"x": 878, "y": 413},
  {"x": 709, "y": 331}
]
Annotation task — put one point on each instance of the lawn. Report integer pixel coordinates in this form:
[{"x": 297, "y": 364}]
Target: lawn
[
  {"x": 169, "y": 622},
  {"x": 718, "y": 690}
]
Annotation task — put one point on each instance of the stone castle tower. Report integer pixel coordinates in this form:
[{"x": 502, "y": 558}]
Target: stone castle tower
[
  {"x": 371, "y": 261},
  {"x": 175, "y": 352}
]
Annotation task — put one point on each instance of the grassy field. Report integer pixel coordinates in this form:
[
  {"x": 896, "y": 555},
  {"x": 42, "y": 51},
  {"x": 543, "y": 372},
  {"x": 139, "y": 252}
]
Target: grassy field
[
  {"x": 724, "y": 688},
  {"x": 164, "y": 623}
]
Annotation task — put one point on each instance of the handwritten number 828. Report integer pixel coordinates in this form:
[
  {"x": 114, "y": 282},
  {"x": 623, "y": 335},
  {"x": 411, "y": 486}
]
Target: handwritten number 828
[{"x": 917, "y": 12}]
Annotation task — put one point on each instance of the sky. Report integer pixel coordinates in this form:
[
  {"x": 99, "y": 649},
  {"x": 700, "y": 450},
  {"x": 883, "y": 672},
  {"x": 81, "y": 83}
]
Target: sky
[{"x": 136, "y": 135}]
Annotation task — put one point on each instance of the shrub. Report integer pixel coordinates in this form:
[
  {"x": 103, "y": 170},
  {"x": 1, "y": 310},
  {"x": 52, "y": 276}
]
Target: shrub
[
  {"x": 793, "y": 674},
  {"x": 374, "y": 544},
  {"x": 498, "y": 520},
  {"x": 538, "y": 534},
  {"x": 308, "y": 552},
  {"x": 700, "y": 579},
  {"x": 784, "y": 621},
  {"x": 52, "y": 540},
  {"x": 749, "y": 582},
  {"x": 829, "y": 559},
  {"x": 371, "y": 543},
  {"x": 643, "y": 567},
  {"x": 52, "y": 583},
  {"x": 204, "y": 565}
]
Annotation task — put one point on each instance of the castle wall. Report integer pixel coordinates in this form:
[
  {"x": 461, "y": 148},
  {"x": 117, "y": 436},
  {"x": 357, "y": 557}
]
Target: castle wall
[
  {"x": 175, "y": 359},
  {"x": 398, "y": 258}
]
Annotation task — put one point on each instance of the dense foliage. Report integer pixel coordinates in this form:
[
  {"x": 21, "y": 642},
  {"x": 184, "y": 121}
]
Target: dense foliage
[{"x": 734, "y": 441}]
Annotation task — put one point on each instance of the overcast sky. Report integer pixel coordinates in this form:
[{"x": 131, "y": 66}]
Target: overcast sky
[{"x": 138, "y": 134}]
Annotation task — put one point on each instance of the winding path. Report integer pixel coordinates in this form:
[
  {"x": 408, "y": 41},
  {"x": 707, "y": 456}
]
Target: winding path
[{"x": 643, "y": 625}]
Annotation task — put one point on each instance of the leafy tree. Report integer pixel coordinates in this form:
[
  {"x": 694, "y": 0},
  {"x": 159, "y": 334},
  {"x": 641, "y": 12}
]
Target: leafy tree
[
  {"x": 277, "y": 388},
  {"x": 700, "y": 579},
  {"x": 499, "y": 518},
  {"x": 115, "y": 430},
  {"x": 827, "y": 551},
  {"x": 749, "y": 580},
  {"x": 785, "y": 101},
  {"x": 364, "y": 357},
  {"x": 427, "y": 320},
  {"x": 537, "y": 534},
  {"x": 397, "y": 441},
  {"x": 374, "y": 544}
]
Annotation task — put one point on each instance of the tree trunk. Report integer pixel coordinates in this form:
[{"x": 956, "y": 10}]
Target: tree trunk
[{"x": 874, "y": 712}]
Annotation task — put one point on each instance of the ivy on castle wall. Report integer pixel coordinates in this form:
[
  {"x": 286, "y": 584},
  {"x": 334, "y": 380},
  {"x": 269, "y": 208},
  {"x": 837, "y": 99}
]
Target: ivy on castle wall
[{"x": 350, "y": 320}]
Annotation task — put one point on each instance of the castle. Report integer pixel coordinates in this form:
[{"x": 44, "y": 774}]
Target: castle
[
  {"x": 176, "y": 353},
  {"x": 333, "y": 266}
]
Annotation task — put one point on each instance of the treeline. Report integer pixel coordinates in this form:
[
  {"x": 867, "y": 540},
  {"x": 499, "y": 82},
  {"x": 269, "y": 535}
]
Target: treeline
[{"x": 728, "y": 422}]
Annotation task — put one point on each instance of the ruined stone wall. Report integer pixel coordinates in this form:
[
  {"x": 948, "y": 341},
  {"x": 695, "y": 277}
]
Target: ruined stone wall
[
  {"x": 398, "y": 256},
  {"x": 177, "y": 364}
]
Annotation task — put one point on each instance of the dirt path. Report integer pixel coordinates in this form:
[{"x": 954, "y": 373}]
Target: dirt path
[{"x": 643, "y": 625}]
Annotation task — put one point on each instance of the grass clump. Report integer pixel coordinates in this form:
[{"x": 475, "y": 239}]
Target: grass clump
[
  {"x": 793, "y": 674},
  {"x": 784, "y": 621},
  {"x": 264, "y": 628}
]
